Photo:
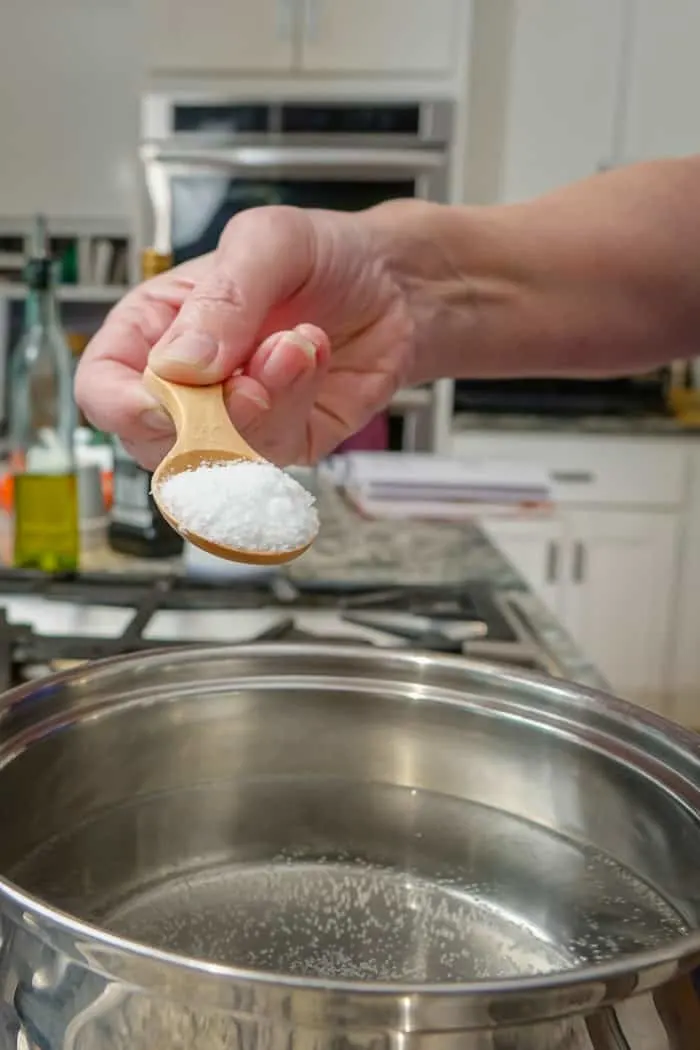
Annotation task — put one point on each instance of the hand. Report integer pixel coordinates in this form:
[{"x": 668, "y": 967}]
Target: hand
[{"x": 298, "y": 313}]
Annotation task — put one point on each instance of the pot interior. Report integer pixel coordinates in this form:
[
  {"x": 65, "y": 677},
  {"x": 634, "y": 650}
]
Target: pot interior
[{"x": 354, "y": 816}]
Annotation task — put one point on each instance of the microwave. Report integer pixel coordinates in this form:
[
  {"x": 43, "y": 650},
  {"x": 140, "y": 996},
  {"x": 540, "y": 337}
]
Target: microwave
[{"x": 206, "y": 158}]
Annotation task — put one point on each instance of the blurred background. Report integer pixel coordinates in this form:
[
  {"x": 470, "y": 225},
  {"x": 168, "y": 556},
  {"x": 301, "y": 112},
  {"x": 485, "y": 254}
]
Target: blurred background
[
  {"x": 134, "y": 124},
  {"x": 139, "y": 127}
]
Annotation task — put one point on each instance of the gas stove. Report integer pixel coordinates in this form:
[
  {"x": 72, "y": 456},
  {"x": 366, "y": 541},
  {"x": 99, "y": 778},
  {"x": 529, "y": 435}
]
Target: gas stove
[{"x": 52, "y": 623}]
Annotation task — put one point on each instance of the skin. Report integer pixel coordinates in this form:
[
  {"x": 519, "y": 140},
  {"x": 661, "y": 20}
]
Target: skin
[{"x": 313, "y": 319}]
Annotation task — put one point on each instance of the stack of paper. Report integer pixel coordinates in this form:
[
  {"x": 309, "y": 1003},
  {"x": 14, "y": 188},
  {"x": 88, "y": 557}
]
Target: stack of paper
[{"x": 410, "y": 485}]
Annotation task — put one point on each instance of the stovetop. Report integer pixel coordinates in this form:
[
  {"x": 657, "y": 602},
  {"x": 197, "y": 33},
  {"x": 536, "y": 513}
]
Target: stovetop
[{"x": 49, "y": 623}]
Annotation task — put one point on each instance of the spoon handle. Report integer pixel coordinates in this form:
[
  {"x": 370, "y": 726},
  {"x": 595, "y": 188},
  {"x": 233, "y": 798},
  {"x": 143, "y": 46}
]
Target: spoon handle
[{"x": 199, "y": 415}]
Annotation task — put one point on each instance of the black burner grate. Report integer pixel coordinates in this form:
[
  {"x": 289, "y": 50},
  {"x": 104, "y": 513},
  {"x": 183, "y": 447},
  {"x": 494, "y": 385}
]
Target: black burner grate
[{"x": 20, "y": 647}]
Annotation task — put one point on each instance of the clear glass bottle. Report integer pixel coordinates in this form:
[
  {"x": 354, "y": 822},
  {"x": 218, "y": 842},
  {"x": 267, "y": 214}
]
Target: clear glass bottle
[
  {"x": 136, "y": 525},
  {"x": 42, "y": 421}
]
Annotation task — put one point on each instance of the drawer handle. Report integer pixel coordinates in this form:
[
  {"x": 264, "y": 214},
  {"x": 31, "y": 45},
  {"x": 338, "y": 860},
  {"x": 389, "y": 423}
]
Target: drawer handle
[
  {"x": 573, "y": 477},
  {"x": 579, "y": 562},
  {"x": 552, "y": 562}
]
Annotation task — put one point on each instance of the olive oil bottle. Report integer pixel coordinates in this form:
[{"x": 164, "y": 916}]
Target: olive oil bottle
[{"x": 42, "y": 420}]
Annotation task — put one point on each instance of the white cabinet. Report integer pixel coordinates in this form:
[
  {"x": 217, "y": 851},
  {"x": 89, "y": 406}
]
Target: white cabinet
[
  {"x": 620, "y": 576},
  {"x": 69, "y": 82},
  {"x": 534, "y": 548},
  {"x": 218, "y": 36},
  {"x": 563, "y": 87},
  {"x": 685, "y": 673},
  {"x": 662, "y": 81},
  {"x": 609, "y": 577},
  {"x": 562, "y": 90},
  {"x": 607, "y": 562},
  {"x": 315, "y": 36},
  {"x": 391, "y": 36},
  {"x": 547, "y": 116}
]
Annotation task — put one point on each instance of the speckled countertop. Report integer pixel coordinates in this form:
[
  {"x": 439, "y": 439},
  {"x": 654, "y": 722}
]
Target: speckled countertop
[
  {"x": 351, "y": 550},
  {"x": 624, "y": 426}
]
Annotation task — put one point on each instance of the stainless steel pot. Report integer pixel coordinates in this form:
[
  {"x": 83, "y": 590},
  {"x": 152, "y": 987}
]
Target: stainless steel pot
[{"x": 323, "y": 847}]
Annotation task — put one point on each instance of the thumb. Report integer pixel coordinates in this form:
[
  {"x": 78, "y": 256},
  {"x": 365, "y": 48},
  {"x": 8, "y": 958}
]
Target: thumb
[{"x": 265, "y": 255}]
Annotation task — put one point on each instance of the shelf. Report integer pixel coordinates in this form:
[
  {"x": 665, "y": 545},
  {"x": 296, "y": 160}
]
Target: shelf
[
  {"x": 411, "y": 399},
  {"x": 96, "y": 226},
  {"x": 70, "y": 293}
]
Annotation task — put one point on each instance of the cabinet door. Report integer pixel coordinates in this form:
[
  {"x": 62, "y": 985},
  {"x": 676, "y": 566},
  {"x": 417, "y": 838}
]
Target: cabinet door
[
  {"x": 618, "y": 597},
  {"x": 69, "y": 83},
  {"x": 220, "y": 36},
  {"x": 535, "y": 550},
  {"x": 562, "y": 93},
  {"x": 663, "y": 81},
  {"x": 380, "y": 36}
]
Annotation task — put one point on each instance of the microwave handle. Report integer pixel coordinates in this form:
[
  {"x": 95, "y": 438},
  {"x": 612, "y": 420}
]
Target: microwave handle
[{"x": 411, "y": 160}]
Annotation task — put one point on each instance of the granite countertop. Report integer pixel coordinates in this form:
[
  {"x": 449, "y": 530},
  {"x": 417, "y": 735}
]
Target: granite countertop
[
  {"x": 352, "y": 551},
  {"x": 625, "y": 426}
]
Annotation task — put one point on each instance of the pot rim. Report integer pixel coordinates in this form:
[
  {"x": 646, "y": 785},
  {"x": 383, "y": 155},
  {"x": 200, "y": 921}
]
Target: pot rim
[{"x": 555, "y": 992}]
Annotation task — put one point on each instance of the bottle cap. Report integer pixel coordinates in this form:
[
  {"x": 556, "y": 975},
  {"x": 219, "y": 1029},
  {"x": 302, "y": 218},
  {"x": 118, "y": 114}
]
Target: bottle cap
[{"x": 154, "y": 263}]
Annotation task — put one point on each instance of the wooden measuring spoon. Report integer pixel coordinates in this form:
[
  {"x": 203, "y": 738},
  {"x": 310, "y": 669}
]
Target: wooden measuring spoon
[{"x": 205, "y": 434}]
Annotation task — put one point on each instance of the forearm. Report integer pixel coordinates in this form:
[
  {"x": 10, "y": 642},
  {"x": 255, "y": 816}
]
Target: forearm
[{"x": 600, "y": 278}]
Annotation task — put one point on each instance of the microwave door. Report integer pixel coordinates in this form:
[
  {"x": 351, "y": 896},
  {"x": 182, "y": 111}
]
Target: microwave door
[
  {"x": 198, "y": 199},
  {"x": 207, "y": 187}
]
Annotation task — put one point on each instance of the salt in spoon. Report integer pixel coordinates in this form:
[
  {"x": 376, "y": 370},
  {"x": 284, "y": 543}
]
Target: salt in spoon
[{"x": 205, "y": 436}]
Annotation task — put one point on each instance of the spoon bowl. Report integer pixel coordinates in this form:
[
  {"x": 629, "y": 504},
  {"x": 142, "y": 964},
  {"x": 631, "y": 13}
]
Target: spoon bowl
[{"x": 205, "y": 436}]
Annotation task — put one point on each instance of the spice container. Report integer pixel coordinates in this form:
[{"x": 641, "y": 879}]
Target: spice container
[{"x": 136, "y": 525}]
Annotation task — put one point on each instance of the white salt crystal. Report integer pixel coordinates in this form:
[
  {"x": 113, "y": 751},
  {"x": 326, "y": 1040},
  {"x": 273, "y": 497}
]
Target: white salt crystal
[{"x": 241, "y": 504}]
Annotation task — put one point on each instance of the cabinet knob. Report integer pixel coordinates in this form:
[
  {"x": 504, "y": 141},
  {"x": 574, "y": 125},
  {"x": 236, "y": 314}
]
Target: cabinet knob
[
  {"x": 552, "y": 562},
  {"x": 573, "y": 477}
]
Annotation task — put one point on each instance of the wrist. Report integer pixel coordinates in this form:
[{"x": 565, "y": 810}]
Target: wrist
[{"x": 453, "y": 276}]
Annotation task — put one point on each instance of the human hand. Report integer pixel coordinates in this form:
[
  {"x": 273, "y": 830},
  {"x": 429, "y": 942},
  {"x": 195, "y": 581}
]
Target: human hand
[{"x": 298, "y": 313}]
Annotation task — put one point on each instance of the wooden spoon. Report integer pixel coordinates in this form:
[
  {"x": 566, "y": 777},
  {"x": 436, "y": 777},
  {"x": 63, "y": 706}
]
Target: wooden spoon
[{"x": 205, "y": 434}]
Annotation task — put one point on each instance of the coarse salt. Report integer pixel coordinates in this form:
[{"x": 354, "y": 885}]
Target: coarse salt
[{"x": 242, "y": 504}]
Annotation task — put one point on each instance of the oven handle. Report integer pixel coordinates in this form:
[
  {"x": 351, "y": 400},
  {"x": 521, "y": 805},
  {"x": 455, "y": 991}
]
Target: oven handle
[{"x": 414, "y": 160}]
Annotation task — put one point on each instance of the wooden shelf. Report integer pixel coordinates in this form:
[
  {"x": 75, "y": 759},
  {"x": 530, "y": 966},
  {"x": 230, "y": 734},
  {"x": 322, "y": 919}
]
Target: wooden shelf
[{"x": 70, "y": 293}]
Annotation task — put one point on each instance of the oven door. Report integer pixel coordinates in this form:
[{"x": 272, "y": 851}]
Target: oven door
[{"x": 193, "y": 192}]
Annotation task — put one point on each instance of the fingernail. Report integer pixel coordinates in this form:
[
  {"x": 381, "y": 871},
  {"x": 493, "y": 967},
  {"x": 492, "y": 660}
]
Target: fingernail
[
  {"x": 257, "y": 399},
  {"x": 283, "y": 365},
  {"x": 299, "y": 338},
  {"x": 241, "y": 387},
  {"x": 157, "y": 419},
  {"x": 190, "y": 348},
  {"x": 263, "y": 402},
  {"x": 152, "y": 414}
]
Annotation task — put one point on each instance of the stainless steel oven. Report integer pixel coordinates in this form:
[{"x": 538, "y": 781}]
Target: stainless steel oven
[{"x": 207, "y": 158}]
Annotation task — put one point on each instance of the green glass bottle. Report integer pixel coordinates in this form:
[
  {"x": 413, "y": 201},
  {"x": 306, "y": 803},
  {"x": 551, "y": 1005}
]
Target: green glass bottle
[{"x": 42, "y": 422}]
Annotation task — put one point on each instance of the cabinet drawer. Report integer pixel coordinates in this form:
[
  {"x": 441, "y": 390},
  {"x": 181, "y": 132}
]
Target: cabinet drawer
[{"x": 589, "y": 469}]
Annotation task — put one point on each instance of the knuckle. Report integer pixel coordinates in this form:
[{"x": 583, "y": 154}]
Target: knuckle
[
  {"x": 215, "y": 306},
  {"x": 282, "y": 218},
  {"x": 221, "y": 289}
]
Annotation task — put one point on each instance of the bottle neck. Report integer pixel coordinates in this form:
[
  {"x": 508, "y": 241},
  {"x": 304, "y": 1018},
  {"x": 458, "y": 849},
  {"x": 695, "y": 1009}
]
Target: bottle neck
[{"x": 41, "y": 309}]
